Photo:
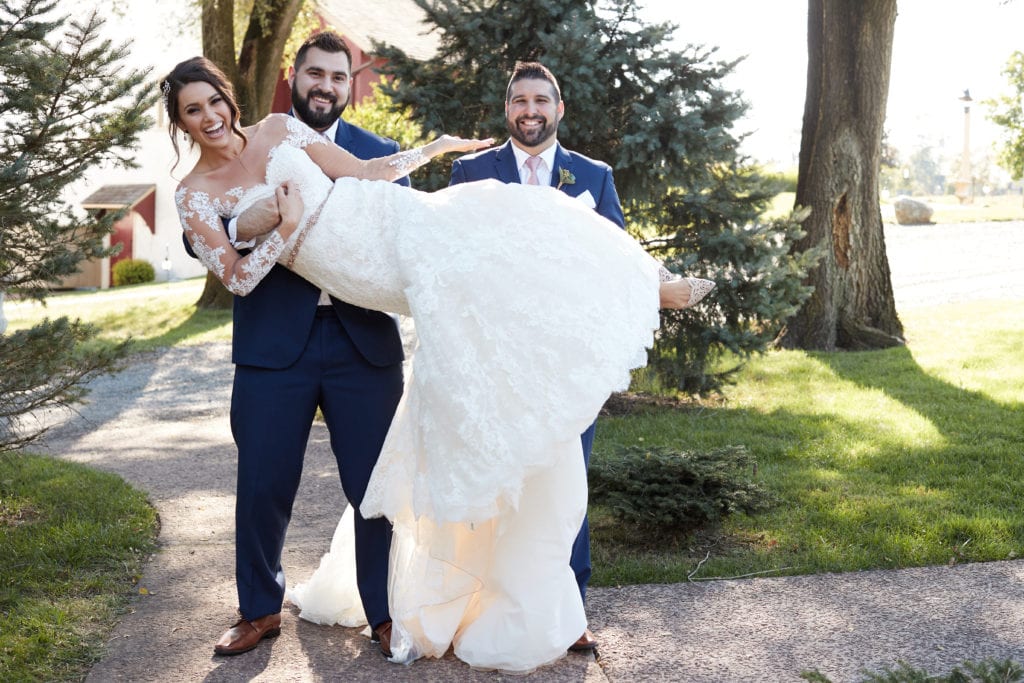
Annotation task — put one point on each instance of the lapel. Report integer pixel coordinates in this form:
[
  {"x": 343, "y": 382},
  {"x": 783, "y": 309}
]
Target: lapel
[
  {"x": 562, "y": 160},
  {"x": 505, "y": 168},
  {"x": 343, "y": 136}
]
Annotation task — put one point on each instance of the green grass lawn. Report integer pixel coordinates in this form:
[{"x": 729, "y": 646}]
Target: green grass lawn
[
  {"x": 72, "y": 544},
  {"x": 153, "y": 315},
  {"x": 895, "y": 458}
]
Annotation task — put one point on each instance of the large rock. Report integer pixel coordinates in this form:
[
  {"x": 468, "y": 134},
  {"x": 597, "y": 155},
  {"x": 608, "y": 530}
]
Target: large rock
[{"x": 912, "y": 212}]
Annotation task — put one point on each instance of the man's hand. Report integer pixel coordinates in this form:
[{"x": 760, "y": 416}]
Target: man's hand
[{"x": 258, "y": 219}]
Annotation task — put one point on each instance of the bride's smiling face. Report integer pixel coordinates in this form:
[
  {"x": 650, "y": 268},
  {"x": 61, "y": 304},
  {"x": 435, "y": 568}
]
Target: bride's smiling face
[{"x": 204, "y": 114}]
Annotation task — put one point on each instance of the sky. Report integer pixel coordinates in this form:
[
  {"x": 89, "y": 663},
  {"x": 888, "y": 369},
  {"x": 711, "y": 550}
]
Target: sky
[{"x": 941, "y": 48}]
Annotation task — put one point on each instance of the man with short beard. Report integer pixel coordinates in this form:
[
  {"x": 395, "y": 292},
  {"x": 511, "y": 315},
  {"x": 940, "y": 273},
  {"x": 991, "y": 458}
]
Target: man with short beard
[
  {"x": 307, "y": 350},
  {"x": 532, "y": 155}
]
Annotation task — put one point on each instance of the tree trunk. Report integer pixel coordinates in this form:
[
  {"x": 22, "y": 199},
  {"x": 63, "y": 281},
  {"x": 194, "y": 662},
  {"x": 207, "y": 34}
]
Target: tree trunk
[
  {"x": 219, "y": 36},
  {"x": 215, "y": 295},
  {"x": 259, "y": 60},
  {"x": 849, "y": 56},
  {"x": 253, "y": 75}
]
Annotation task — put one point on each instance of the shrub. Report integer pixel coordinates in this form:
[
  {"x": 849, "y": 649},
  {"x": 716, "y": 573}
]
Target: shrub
[
  {"x": 663, "y": 490},
  {"x": 133, "y": 272},
  {"x": 760, "y": 284}
]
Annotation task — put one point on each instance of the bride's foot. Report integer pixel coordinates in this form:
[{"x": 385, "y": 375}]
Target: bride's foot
[{"x": 684, "y": 292}]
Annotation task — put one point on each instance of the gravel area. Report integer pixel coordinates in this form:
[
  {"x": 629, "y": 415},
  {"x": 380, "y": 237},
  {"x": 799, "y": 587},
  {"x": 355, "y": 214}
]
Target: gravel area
[{"x": 162, "y": 424}]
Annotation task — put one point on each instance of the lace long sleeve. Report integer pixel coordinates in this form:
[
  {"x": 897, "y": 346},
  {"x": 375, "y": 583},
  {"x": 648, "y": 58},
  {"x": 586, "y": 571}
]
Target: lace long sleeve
[
  {"x": 201, "y": 219},
  {"x": 336, "y": 162}
]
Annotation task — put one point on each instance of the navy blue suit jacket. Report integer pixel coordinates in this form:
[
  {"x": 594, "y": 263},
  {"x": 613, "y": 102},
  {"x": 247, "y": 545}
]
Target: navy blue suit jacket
[
  {"x": 272, "y": 323},
  {"x": 591, "y": 175}
]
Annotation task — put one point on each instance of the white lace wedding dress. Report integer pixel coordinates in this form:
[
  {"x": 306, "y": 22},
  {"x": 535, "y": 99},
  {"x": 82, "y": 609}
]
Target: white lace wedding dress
[{"x": 530, "y": 309}]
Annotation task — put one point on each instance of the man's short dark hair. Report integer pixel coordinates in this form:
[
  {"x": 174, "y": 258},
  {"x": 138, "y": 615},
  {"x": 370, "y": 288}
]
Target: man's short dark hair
[
  {"x": 328, "y": 41},
  {"x": 532, "y": 70}
]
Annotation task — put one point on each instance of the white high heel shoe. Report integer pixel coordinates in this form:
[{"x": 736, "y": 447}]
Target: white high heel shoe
[{"x": 699, "y": 288}]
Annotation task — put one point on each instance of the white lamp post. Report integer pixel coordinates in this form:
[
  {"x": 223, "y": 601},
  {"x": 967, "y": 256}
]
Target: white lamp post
[{"x": 964, "y": 189}]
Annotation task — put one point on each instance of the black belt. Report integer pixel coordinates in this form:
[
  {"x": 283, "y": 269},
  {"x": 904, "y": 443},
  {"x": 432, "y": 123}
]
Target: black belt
[{"x": 324, "y": 311}]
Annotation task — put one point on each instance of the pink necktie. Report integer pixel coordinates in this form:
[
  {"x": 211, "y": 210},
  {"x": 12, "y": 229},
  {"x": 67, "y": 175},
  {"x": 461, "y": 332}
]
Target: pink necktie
[{"x": 532, "y": 163}]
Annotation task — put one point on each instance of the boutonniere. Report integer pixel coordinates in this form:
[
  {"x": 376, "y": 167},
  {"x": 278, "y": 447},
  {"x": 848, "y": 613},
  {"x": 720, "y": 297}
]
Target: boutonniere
[{"x": 565, "y": 177}]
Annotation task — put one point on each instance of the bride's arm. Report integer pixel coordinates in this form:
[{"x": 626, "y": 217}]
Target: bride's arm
[
  {"x": 336, "y": 162},
  {"x": 205, "y": 233}
]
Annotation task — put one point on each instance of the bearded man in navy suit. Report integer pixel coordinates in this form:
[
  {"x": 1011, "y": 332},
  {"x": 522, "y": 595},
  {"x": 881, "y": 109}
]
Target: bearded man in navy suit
[
  {"x": 533, "y": 110},
  {"x": 297, "y": 349}
]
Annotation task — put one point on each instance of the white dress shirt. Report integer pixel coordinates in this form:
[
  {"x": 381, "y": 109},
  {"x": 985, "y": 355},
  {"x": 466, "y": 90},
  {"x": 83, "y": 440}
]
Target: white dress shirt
[{"x": 547, "y": 158}]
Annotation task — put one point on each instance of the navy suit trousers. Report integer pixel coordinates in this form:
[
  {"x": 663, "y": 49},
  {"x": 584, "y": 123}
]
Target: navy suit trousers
[
  {"x": 579, "y": 561},
  {"x": 271, "y": 415}
]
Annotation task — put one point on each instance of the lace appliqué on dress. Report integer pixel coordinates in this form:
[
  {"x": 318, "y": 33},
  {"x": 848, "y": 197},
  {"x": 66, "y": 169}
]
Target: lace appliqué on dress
[
  {"x": 408, "y": 161},
  {"x": 300, "y": 135}
]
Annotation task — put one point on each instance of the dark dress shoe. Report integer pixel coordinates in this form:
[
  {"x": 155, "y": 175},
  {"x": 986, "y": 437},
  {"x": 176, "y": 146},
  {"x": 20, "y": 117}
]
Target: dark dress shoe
[
  {"x": 586, "y": 642},
  {"x": 382, "y": 634},
  {"x": 246, "y": 635}
]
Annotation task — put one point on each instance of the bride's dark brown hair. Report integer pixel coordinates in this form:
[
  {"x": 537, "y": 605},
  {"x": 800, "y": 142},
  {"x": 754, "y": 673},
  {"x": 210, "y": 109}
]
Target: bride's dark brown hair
[{"x": 196, "y": 70}]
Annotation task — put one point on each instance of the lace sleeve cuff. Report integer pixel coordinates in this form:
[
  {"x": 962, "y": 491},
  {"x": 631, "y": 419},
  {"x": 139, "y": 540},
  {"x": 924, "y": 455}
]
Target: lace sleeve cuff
[
  {"x": 408, "y": 161},
  {"x": 256, "y": 265}
]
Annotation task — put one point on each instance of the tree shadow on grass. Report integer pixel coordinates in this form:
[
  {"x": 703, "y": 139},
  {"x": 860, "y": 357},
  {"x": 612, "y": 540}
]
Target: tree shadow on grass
[
  {"x": 201, "y": 321},
  {"x": 961, "y": 415},
  {"x": 972, "y": 481},
  {"x": 857, "y": 493}
]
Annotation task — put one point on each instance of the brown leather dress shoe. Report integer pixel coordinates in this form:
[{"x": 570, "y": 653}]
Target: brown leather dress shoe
[
  {"x": 586, "y": 642},
  {"x": 246, "y": 635},
  {"x": 382, "y": 634}
]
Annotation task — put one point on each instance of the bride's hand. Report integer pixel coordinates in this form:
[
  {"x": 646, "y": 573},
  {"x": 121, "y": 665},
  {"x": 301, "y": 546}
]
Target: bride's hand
[
  {"x": 289, "y": 203},
  {"x": 450, "y": 143}
]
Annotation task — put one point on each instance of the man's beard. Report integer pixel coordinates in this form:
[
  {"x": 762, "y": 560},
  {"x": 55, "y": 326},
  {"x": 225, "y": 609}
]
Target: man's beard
[
  {"x": 534, "y": 137},
  {"x": 315, "y": 119}
]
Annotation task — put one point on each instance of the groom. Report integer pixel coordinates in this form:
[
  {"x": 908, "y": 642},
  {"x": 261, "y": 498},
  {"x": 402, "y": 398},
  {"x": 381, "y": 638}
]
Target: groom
[
  {"x": 532, "y": 155},
  {"x": 296, "y": 349}
]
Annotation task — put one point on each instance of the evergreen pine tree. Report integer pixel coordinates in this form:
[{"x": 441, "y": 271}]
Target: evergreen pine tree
[
  {"x": 665, "y": 123},
  {"x": 66, "y": 105}
]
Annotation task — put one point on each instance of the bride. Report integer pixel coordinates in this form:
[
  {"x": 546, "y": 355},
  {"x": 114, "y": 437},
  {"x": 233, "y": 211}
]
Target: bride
[{"x": 530, "y": 309}]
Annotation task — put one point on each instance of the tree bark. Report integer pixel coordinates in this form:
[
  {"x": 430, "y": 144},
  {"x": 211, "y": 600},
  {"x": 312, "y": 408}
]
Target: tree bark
[
  {"x": 849, "y": 58},
  {"x": 253, "y": 75},
  {"x": 219, "y": 36},
  {"x": 259, "y": 60}
]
